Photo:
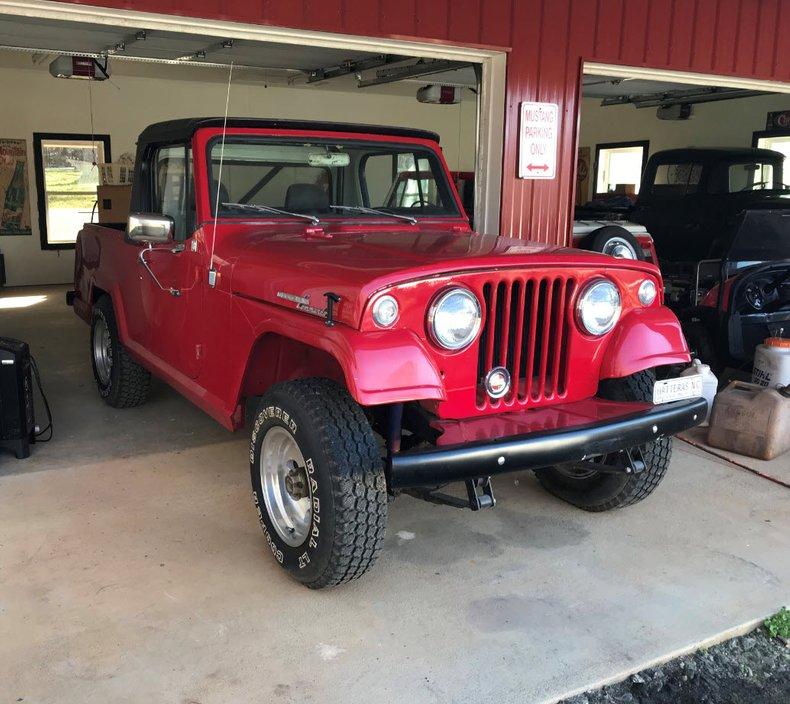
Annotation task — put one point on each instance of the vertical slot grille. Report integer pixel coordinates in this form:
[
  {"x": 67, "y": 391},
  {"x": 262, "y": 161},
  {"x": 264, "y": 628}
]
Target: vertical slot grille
[{"x": 526, "y": 331}]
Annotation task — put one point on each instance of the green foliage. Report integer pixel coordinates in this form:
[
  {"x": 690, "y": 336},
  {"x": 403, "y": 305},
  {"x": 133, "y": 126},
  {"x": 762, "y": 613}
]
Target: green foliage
[
  {"x": 779, "y": 624},
  {"x": 69, "y": 188}
]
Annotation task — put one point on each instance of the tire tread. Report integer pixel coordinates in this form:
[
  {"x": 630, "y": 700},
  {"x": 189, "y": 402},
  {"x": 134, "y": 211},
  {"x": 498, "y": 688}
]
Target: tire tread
[{"x": 358, "y": 485}]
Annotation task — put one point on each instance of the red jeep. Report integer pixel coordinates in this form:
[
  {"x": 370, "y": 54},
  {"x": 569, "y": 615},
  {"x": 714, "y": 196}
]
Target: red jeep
[{"x": 392, "y": 348}]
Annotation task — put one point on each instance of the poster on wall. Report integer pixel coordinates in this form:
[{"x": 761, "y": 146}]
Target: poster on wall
[{"x": 14, "y": 194}]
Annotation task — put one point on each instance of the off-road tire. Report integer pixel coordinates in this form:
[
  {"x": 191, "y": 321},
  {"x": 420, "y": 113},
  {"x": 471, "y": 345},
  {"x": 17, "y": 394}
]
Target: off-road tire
[
  {"x": 348, "y": 491},
  {"x": 129, "y": 382},
  {"x": 599, "y": 491}
]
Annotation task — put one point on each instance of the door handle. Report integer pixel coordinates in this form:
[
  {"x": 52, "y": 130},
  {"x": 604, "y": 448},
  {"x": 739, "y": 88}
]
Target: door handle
[{"x": 172, "y": 291}]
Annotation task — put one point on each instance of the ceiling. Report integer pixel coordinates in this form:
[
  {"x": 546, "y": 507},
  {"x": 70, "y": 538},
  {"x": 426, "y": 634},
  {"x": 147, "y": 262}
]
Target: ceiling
[
  {"x": 45, "y": 38},
  {"x": 613, "y": 90}
]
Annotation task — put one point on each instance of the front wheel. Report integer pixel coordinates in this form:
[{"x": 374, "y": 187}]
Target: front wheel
[
  {"x": 598, "y": 491},
  {"x": 318, "y": 482}
]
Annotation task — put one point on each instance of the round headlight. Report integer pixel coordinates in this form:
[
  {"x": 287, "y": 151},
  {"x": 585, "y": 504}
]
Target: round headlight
[
  {"x": 599, "y": 307},
  {"x": 385, "y": 311},
  {"x": 454, "y": 319},
  {"x": 647, "y": 292}
]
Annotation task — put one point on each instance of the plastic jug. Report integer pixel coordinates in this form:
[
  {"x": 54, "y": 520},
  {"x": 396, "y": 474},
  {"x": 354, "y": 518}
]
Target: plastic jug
[
  {"x": 751, "y": 420},
  {"x": 772, "y": 363},
  {"x": 710, "y": 384}
]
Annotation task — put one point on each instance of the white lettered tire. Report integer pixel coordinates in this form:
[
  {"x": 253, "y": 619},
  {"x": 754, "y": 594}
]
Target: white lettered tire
[{"x": 317, "y": 482}]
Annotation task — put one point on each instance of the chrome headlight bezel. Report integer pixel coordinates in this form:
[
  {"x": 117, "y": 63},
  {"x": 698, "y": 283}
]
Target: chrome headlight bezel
[
  {"x": 583, "y": 304},
  {"x": 435, "y": 308},
  {"x": 378, "y": 319},
  {"x": 647, "y": 293}
]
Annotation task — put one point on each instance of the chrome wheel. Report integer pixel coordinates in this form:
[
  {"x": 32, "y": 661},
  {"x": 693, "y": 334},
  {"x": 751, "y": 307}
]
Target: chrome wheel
[
  {"x": 619, "y": 248},
  {"x": 102, "y": 350},
  {"x": 286, "y": 488}
]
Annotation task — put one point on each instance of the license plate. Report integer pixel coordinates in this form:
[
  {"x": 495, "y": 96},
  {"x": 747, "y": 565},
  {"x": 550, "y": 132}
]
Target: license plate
[{"x": 677, "y": 389}]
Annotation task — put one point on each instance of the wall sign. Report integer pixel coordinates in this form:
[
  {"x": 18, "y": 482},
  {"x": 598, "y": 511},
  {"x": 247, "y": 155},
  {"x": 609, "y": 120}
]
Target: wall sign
[
  {"x": 14, "y": 193},
  {"x": 779, "y": 120},
  {"x": 537, "y": 149}
]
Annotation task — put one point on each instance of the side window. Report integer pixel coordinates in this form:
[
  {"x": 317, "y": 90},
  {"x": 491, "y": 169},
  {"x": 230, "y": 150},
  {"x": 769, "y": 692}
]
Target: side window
[
  {"x": 676, "y": 180},
  {"x": 174, "y": 190}
]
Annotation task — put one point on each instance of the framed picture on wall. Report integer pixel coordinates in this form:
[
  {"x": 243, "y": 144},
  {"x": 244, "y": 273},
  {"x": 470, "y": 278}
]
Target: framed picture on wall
[{"x": 14, "y": 192}]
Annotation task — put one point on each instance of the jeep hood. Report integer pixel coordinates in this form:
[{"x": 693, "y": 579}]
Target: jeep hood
[{"x": 296, "y": 269}]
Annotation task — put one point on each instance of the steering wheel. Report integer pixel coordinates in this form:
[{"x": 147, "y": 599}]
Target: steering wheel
[{"x": 419, "y": 204}]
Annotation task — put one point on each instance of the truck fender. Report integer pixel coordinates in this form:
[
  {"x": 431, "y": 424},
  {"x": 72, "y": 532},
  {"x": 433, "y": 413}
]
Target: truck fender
[
  {"x": 390, "y": 366},
  {"x": 644, "y": 338}
]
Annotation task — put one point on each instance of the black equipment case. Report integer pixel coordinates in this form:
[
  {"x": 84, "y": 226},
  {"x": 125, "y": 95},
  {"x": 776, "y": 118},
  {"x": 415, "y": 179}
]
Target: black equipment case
[{"x": 17, "y": 417}]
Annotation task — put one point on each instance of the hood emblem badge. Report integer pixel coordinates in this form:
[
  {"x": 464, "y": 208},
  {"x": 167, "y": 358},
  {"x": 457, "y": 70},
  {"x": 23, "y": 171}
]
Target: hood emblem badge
[{"x": 303, "y": 305}]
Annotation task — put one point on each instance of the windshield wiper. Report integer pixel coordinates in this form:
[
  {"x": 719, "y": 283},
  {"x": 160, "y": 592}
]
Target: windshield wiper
[
  {"x": 374, "y": 211},
  {"x": 268, "y": 209}
]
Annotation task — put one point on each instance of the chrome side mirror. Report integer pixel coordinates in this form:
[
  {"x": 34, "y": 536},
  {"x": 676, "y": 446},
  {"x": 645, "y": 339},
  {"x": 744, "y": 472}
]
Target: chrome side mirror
[{"x": 149, "y": 228}]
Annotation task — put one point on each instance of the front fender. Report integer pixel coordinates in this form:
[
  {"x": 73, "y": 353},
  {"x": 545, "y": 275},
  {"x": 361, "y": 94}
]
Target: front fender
[
  {"x": 387, "y": 366},
  {"x": 644, "y": 338}
]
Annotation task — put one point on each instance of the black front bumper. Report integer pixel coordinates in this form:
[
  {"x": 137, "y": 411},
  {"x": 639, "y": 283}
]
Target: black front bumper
[{"x": 441, "y": 465}]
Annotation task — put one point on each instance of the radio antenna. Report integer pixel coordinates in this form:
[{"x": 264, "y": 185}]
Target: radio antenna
[{"x": 212, "y": 272}]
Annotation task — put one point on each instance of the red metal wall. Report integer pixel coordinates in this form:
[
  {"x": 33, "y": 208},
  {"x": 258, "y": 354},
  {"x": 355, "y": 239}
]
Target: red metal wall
[{"x": 549, "y": 40}]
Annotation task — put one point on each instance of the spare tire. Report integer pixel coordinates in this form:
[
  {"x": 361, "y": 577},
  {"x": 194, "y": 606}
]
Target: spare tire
[{"x": 613, "y": 240}]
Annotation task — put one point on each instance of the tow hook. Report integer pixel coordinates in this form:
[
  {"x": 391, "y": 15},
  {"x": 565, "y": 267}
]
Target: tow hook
[{"x": 479, "y": 492}]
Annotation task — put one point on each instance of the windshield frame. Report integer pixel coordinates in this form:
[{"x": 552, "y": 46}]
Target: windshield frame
[{"x": 377, "y": 144}]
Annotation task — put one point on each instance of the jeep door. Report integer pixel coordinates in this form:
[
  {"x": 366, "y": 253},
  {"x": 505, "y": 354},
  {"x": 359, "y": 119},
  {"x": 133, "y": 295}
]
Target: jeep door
[{"x": 174, "y": 317}]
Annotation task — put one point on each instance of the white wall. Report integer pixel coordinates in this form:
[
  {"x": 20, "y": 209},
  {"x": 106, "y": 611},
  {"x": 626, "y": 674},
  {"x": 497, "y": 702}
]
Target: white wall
[
  {"x": 729, "y": 123},
  {"x": 140, "y": 94}
]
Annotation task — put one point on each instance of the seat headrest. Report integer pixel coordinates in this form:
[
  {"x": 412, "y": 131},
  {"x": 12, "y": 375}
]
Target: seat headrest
[{"x": 306, "y": 197}]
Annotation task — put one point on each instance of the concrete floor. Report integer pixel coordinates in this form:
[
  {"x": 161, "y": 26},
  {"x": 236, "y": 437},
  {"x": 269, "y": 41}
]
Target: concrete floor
[{"x": 132, "y": 569}]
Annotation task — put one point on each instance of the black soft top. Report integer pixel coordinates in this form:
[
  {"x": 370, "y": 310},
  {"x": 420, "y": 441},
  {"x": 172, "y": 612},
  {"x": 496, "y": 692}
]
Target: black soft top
[
  {"x": 183, "y": 129},
  {"x": 710, "y": 154}
]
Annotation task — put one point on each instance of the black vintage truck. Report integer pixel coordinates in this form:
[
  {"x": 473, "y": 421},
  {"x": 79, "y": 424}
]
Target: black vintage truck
[{"x": 720, "y": 221}]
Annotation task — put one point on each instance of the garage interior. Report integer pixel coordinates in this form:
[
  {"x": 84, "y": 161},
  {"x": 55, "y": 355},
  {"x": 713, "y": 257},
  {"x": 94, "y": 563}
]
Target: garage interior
[
  {"x": 627, "y": 118},
  {"x": 131, "y": 560},
  {"x": 158, "y": 75}
]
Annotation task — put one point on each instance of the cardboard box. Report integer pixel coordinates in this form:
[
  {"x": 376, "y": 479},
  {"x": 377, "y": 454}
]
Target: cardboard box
[{"x": 113, "y": 203}]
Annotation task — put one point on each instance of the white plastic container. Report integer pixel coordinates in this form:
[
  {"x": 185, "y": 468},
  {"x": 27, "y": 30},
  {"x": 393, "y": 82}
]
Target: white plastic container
[
  {"x": 710, "y": 384},
  {"x": 772, "y": 363}
]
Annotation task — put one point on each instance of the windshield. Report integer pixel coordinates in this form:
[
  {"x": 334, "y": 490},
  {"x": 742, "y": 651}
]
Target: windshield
[
  {"x": 753, "y": 176},
  {"x": 762, "y": 234},
  {"x": 318, "y": 177}
]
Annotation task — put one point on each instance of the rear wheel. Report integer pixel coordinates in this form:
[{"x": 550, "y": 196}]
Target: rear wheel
[
  {"x": 593, "y": 490},
  {"x": 121, "y": 381},
  {"x": 318, "y": 482}
]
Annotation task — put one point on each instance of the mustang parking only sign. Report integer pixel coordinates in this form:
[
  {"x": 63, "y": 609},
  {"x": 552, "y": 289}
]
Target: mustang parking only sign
[{"x": 537, "y": 156}]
